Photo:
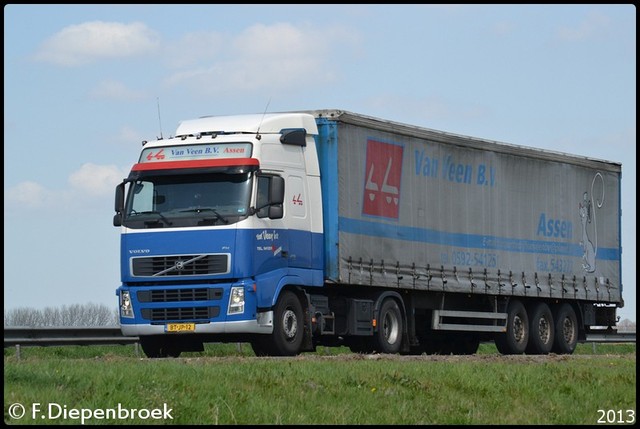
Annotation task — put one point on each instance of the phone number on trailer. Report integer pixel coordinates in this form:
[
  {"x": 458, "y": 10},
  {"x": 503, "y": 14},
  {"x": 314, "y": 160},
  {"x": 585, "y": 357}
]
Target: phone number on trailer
[{"x": 474, "y": 259}]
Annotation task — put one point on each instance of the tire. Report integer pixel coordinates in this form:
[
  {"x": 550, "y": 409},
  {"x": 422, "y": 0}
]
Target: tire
[
  {"x": 288, "y": 326},
  {"x": 388, "y": 337},
  {"x": 465, "y": 344},
  {"x": 261, "y": 346},
  {"x": 542, "y": 330},
  {"x": 566, "y": 329},
  {"x": 158, "y": 347},
  {"x": 514, "y": 340}
]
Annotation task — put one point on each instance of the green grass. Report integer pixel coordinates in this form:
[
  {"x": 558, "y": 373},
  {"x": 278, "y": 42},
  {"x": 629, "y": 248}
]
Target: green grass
[
  {"x": 244, "y": 349},
  {"x": 225, "y": 384}
]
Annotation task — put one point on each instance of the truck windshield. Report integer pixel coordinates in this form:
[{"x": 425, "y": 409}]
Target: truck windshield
[{"x": 171, "y": 201}]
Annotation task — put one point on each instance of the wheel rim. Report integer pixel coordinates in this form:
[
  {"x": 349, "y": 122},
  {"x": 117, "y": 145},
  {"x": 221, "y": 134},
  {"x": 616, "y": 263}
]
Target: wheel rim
[
  {"x": 518, "y": 329},
  {"x": 390, "y": 328},
  {"x": 544, "y": 330},
  {"x": 568, "y": 330},
  {"x": 290, "y": 324}
]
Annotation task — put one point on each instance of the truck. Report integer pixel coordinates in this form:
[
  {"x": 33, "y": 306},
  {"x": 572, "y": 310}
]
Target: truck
[{"x": 299, "y": 229}]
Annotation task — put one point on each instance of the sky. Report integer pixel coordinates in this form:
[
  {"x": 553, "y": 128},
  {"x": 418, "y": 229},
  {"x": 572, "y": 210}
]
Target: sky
[{"x": 84, "y": 85}]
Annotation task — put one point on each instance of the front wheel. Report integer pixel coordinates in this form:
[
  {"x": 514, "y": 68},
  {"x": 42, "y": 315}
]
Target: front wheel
[
  {"x": 262, "y": 346},
  {"x": 388, "y": 338},
  {"x": 155, "y": 346},
  {"x": 288, "y": 326}
]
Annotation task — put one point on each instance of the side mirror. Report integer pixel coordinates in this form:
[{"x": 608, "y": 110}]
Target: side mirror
[
  {"x": 119, "y": 205},
  {"x": 276, "y": 190},
  {"x": 270, "y": 196},
  {"x": 276, "y": 194},
  {"x": 276, "y": 212},
  {"x": 294, "y": 136}
]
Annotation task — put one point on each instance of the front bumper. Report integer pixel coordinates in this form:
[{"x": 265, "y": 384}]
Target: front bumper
[{"x": 262, "y": 325}]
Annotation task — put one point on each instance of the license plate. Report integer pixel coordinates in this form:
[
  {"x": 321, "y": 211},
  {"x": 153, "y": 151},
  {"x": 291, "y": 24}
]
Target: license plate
[{"x": 180, "y": 327}]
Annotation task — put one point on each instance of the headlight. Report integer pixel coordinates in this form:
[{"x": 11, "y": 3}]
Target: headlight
[
  {"x": 236, "y": 300},
  {"x": 126, "y": 309}
]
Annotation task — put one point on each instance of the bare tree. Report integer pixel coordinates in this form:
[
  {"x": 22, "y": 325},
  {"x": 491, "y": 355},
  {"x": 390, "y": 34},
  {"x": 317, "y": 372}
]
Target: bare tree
[
  {"x": 22, "y": 317},
  {"x": 72, "y": 315},
  {"x": 50, "y": 316},
  {"x": 626, "y": 325}
]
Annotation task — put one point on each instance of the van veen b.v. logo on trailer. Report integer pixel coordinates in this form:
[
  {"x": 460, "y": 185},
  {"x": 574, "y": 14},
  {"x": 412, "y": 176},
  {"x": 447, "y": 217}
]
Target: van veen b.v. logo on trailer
[{"x": 383, "y": 175}]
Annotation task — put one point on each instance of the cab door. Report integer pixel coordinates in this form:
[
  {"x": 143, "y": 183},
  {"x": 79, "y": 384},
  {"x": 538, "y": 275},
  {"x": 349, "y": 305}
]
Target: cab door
[{"x": 298, "y": 221}]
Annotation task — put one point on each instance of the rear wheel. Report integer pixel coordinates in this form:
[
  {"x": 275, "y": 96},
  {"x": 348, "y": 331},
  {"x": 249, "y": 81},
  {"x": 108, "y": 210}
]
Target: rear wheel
[
  {"x": 514, "y": 340},
  {"x": 566, "y": 329},
  {"x": 542, "y": 330},
  {"x": 388, "y": 338}
]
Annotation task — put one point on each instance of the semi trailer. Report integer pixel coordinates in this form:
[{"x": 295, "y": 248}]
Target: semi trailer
[{"x": 293, "y": 230}]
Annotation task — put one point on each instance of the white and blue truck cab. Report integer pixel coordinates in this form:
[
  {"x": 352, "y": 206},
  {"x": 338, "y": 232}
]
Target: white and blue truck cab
[
  {"x": 210, "y": 239},
  {"x": 296, "y": 229}
]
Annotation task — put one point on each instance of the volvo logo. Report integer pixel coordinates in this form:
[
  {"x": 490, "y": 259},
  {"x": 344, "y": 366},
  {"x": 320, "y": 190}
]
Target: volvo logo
[
  {"x": 138, "y": 251},
  {"x": 179, "y": 265}
]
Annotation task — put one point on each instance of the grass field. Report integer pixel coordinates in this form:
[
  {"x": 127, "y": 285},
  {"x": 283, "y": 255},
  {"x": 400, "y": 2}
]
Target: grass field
[{"x": 226, "y": 384}]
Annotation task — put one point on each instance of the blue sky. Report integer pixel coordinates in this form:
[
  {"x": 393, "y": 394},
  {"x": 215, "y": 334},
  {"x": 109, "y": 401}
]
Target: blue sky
[{"x": 82, "y": 86}]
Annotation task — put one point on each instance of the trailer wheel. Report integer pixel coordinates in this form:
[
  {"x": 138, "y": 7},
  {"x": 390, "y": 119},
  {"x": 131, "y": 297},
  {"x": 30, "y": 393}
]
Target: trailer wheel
[
  {"x": 288, "y": 325},
  {"x": 388, "y": 338},
  {"x": 542, "y": 330},
  {"x": 157, "y": 347},
  {"x": 466, "y": 344},
  {"x": 566, "y": 329},
  {"x": 514, "y": 340}
]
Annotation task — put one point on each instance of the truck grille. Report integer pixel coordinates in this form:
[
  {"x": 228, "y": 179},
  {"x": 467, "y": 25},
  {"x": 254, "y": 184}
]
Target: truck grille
[
  {"x": 182, "y": 313},
  {"x": 180, "y": 265},
  {"x": 179, "y": 295}
]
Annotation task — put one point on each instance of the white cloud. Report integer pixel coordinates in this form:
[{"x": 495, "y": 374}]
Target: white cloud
[
  {"x": 277, "y": 42},
  {"x": 85, "y": 43},
  {"x": 114, "y": 90},
  {"x": 96, "y": 180},
  {"x": 194, "y": 48},
  {"x": 29, "y": 194},
  {"x": 592, "y": 25},
  {"x": 272, "y": 57},
  {"x": 87, "y": 183}
]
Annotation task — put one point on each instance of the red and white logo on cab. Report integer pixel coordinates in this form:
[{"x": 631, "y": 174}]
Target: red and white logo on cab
[{"x": 382, "y": 179}]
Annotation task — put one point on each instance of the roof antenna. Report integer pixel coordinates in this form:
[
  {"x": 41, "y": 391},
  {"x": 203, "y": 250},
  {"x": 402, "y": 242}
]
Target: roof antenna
[
  {"x": 258, "y": 136},
  {"x": 159, "y": 120}
]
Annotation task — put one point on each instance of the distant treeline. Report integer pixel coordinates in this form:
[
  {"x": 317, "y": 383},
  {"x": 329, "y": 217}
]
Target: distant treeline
[{"x": 67, "y": 315}]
